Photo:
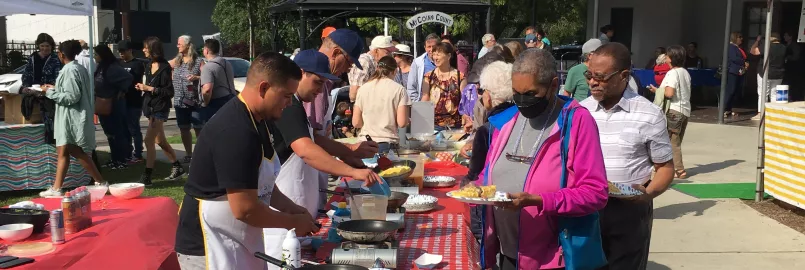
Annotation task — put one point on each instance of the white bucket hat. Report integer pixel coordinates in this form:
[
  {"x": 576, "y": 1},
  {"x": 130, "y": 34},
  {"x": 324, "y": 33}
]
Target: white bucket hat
[
  {"x": 403, "y": 49},
  {"x": 382, "y": 42}
]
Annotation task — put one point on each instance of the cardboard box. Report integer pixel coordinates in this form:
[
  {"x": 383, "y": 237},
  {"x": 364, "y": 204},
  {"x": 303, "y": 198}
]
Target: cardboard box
[{"x": 13, "y": 111}]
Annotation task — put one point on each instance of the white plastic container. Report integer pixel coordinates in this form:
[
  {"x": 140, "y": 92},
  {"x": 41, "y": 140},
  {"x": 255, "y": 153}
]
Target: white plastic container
[
  {"x": 781, "y": 94},
  {"x": 292, "y": 250},
  {"x": 368, "y": 206}
]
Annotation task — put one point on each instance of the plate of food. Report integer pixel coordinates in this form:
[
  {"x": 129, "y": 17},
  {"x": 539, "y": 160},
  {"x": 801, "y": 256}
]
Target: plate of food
[
  {"x": 479, "y": 194},
  {"x": 620, "y": 190}
]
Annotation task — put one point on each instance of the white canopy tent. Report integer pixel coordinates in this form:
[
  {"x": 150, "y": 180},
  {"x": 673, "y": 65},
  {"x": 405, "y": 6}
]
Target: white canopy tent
[{"x": 53, "y": 7}]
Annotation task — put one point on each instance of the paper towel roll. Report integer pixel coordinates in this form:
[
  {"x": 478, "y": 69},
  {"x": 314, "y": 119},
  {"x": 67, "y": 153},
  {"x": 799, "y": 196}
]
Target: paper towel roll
[{"x": 272, "y": 238}]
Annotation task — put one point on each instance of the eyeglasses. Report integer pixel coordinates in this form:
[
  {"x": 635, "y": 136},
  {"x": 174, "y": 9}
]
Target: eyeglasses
[
  {"x": 519, "y": 159},
  {"x": 481, "y": 91},
  {"x": 600, "y": 78}
]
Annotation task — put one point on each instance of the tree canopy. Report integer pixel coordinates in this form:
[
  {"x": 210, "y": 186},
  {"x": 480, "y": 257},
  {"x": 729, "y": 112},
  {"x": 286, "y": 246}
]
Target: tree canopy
[{"x": 562, "y": 20}]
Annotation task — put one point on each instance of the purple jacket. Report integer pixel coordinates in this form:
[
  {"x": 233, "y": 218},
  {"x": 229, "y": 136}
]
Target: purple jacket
[{"x": 586, "y": 190}]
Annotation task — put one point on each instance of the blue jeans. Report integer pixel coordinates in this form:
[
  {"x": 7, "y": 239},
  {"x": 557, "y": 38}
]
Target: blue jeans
[
  {"x": 116, "y": 129},
  {"x": 214, "y": 106},
  {"x": 133, "y": 122}
]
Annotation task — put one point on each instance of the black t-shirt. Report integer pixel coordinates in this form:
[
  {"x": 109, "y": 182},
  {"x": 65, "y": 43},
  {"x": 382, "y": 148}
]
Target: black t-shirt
[
  {"x": 227, "y": 155},
  {"x": 136, "y": 68},
  {"x": 292, "y": 126},
  {"x": 693, "y": 62},
  {"x": 776, "y": 61}
]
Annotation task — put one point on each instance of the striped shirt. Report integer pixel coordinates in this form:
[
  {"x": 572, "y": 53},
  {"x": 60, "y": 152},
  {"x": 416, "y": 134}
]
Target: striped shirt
[{"x": 633, "y": 135}]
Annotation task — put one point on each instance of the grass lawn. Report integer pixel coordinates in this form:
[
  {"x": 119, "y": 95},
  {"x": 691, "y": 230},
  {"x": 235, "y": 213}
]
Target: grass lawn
[
  {"x": 177, "y": 139},
  {"x": 172, "y": 189}
]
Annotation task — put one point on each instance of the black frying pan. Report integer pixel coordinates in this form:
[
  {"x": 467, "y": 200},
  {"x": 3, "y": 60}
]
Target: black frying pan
[
  {"x": 282, "y": 264},
  {"x": 367, "y": 231}
]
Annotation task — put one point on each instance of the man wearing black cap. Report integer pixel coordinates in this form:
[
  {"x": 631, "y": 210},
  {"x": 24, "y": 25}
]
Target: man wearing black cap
[
  {"x": 302, "y": 153},
  {"x": 134, "y": 99}
]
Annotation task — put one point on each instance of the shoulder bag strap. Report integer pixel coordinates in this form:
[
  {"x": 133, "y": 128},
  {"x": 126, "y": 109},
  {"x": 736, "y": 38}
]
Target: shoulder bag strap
[
  {"x": 228, "y": 87},
  {"x": 567, "y": 123}
]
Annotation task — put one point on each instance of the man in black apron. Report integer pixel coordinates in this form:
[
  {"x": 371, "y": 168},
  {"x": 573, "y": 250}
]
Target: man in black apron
[{"x": 231, "y": 191}]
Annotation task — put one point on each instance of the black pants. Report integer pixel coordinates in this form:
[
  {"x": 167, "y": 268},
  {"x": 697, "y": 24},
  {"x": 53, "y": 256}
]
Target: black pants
[
  {"x": 626, "y": 233},
  {"x": 733, "y": 90},
  {"x": 117, "y": 133},
  {"x": 507, "y": 263}
]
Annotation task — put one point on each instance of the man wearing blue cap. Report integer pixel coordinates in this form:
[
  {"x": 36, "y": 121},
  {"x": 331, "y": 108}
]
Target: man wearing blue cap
[
  {"x": 342, "y": 48},
  {"x": 302, "y": 153}
]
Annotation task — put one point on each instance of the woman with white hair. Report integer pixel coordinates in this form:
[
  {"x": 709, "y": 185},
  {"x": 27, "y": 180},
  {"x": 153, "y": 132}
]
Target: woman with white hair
[
  {"x": 186, "y": 75},
  {"x": 495, "y": 93},
  {"x": 489, "y": 41}
]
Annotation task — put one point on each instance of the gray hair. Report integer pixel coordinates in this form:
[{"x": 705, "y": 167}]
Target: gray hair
[
  {"x": 191, "y": 51},
  {"x": 538, "y": 63},
  {"x": 486, "y": 38},
  {"x": 432, "y": 36},
  {"x": 496, "y": 78}
]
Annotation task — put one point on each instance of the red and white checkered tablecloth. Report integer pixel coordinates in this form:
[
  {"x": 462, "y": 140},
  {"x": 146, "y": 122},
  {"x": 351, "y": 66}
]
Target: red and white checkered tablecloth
[{"x": 437, "y": 233}]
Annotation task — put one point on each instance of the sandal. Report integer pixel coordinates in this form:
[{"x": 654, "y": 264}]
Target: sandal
[{"x": 681, "y": 174}]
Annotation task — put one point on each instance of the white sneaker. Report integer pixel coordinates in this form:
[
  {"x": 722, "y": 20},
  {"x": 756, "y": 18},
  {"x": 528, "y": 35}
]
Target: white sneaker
[{"x": 50, "y": 193}]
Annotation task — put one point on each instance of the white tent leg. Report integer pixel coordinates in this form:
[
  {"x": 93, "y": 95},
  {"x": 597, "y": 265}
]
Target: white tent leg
[{"x": 759, "y": 188}]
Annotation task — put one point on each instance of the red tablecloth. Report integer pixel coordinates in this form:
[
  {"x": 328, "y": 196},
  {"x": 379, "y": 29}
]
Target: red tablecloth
[
  {"x": 444, "y": 231},
  {"x": 125, "y": 234}
]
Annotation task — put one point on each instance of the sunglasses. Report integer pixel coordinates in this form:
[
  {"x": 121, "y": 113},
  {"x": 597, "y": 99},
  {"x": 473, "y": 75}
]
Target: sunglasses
[
  {"x": 519, "y": 159},
  {"x": 600, "y": 78}
]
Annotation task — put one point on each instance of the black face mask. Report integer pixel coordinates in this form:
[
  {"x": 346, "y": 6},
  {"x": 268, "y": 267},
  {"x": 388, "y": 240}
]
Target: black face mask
[{"x": 530, "y": 106}]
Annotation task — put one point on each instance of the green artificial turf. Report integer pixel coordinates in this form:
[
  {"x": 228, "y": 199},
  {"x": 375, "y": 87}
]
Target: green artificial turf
[{"x": 745, "y": 191}]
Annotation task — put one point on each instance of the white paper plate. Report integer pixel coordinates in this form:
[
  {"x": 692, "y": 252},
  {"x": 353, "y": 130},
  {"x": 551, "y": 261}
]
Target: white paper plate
[{"x": 499, "y": 197}]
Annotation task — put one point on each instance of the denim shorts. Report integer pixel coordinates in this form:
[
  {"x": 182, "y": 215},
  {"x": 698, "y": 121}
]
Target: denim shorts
[
  {"x": 189, "y": 117},
  {"x": 162, "y": 116}
]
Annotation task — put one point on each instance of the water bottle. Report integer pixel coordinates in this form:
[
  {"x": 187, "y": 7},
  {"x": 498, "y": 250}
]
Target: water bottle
[{"x": 699, "y": 63}]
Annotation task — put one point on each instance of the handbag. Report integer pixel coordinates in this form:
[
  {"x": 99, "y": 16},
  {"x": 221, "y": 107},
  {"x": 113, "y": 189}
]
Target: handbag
[
  {"x": 103, "y": 106},
  {"x": 580, "y": 237}
]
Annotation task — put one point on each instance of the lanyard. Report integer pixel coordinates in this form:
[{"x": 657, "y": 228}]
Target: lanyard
[{"x": 254, "y": 123}]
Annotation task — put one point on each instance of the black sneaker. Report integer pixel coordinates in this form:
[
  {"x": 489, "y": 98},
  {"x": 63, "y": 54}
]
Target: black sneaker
[
  {"x": 145, "y": 179},
  {"x": 187, "y": 159},
  {"x": 119, "y": 166},
  {"x": 176, "y": 173}
]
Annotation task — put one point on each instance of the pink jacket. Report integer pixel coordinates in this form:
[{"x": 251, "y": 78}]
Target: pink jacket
[{"x": 586, "y": 190}]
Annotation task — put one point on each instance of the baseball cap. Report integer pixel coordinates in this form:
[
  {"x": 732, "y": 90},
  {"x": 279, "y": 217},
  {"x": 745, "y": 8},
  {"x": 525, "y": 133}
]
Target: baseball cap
[
  {"x": 591, "y": 45},
  {"x": 350, "y": 42},
  {"x": 403, "y": 50},
  {"x": 382, "y": 42},
  {"x": 124, "y": 45},
  {"x": 530, "y": 38},
  {"x": 326, "y": 31},
  {"x": 315, "y": 62}
]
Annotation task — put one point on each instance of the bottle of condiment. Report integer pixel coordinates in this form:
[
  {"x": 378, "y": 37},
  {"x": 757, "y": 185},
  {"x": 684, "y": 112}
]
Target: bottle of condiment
[
  {"x": 292, "y": 250},
  {"x": 341, "y": 213},
  {"x": 87, "y": 207},
  {"x": 70, "y": 215}
]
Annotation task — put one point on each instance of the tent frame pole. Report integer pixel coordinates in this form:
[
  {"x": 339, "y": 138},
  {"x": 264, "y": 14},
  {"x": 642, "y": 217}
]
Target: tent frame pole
[
  {"x": 759, "y": 188},
  {"x": 724, "y": 65}
]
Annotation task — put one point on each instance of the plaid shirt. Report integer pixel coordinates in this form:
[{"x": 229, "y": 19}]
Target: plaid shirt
[
  {"x": 358, "y": 77},
  {"x": 634, "y": 137}
]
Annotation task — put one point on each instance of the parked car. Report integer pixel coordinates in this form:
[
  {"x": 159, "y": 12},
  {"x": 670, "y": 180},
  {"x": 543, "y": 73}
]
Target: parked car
[
  {"x": 241, "y": 68},
  {"x": 12, "y": 82}
]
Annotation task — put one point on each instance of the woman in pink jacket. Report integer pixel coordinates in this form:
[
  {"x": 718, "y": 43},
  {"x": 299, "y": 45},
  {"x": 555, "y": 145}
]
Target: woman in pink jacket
[{"x": 524, "y": 161}]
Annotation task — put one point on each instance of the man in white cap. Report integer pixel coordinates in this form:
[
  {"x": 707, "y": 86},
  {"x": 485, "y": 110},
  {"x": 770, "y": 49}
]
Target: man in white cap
[
  {"x": 380, "y": 46},
  {"x": 576, "y": 84},
  {"x": 404, "y": 59}
]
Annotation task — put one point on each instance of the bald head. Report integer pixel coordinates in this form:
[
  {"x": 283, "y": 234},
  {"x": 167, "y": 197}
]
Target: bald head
[
  {"x": 273, "y": 68},
  {"x": 537, "y": 63}
]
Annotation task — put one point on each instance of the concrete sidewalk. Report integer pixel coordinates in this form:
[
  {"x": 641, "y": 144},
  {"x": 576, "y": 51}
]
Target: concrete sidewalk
[{"x": 690, "y": 233}]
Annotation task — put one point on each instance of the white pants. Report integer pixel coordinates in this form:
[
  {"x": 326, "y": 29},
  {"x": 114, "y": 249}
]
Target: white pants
[{"x": 770, "y": 94}]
